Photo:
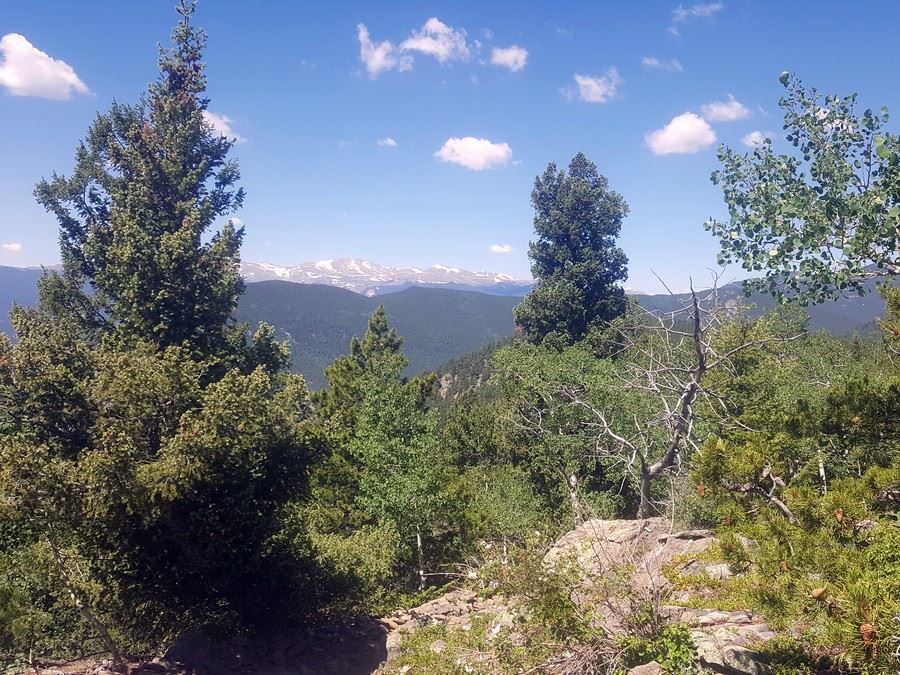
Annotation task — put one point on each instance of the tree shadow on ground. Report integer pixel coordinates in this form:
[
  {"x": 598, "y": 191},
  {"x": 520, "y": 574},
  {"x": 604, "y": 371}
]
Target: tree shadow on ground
[{"x": 356, "y": 648}]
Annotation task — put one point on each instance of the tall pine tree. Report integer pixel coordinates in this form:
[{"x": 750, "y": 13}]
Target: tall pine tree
[
  {"x": 137, "y": 215},
  {"x": 575, "y": 259},
  {"x": 146, "y": 450}
]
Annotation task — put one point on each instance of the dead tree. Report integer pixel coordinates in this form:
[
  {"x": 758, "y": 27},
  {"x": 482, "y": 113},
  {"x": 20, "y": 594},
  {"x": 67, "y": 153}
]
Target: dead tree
[{"x": 667, "y": 357}]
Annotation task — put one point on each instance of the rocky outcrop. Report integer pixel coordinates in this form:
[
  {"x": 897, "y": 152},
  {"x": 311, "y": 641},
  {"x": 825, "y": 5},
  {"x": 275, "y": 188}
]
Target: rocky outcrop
[
  {"x": 598, "y": 551},
  {"x": 725, "y": 641},
  {"x": 455, "y": 609}
]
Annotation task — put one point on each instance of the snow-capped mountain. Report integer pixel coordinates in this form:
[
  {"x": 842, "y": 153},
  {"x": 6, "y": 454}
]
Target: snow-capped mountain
[{"x": 368, "y": 278}]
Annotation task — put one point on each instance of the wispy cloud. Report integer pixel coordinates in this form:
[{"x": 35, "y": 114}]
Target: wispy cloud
[
  {"x": 381, "y": 57},
  {"x": 725, "y": 111},
  {"x": 597, "y": 89},
  {"x": 11, "y": 247},
  {"x": 27, "y": 71},
  {"x": 439, "y": 40},
  {"x": 653, "y": 63},
  {"x": 685, "y": 134},
  {"x": 387, "y": 142},
  {"x": 514, "y": 58},
  {"x": 476, "y": 154},
  {"x": 682, "y": 14},
  {"x": 221, "y": 124},
  {"x": 500, "y": 248}
]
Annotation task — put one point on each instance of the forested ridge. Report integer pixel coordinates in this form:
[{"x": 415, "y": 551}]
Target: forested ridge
[{"x": 164, "y": 475}]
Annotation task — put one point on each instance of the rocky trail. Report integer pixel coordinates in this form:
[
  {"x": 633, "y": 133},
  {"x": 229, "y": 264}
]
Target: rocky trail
[{"x": 726, "y": 641}]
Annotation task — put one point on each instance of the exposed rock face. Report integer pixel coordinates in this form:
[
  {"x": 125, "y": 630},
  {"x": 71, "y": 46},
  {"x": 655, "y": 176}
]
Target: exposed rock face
[
  {"x": 724, "y": 640},
  {"x": 599, "y": 550},
  {"x": 652, "y": 668},
  {"x": 455, "y": 609}
]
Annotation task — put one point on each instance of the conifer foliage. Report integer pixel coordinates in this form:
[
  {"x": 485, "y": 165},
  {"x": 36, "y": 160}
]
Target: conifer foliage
[
  {"x": 575, "y": 259},
  {"x": 149, "y": 183},
  {"x": 146, "y": 448}
]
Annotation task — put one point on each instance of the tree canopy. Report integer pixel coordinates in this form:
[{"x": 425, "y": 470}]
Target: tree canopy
[
  {"x": 575, "y": 259},
  {"x": 138, "y": 213},
  {"x": 819, "y": 221}
]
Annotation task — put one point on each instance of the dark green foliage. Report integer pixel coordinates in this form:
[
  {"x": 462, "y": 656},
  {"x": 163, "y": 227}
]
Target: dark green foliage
[
  {"x": 575, "y": 259},
  {"x": 149, "y": 182},
  {"x": 146, "y": 448}
]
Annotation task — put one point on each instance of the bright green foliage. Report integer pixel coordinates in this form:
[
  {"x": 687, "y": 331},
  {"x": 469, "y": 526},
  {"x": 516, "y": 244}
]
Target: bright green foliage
[
  {"x": 813, "y": 221},
  {"x": 339, "y": 403},
  {"x": 403, "y": 473},
  {"x": 501, "y": 504},
  {"x": 672, "y": 649},
  {"x": 575, "y": 259},
  {"x": 149, "y": 183},
  {"x": 335, "y": 481},
  {"x": 556, "y": 438},
  {"x": 383, "y": 483},
  {"x": 817, "y": 448},
  {"x": 795, "y": 429},
  {"x": 838, "y": 583},
  {"x": 476, "y": 431}
]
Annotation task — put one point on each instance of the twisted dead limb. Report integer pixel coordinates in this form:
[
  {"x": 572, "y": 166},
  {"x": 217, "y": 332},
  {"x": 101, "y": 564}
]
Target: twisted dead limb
[{"x": 669, "y": 363}]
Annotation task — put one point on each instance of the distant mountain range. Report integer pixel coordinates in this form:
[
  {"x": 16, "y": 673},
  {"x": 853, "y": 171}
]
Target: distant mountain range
[
  {"x": 368, "y": 278},
  {"x": 439, "y": 321}
]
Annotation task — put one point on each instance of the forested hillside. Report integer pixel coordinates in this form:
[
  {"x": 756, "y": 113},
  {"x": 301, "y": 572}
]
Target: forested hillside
[
  {"x": 319, "y": 321},
  {"x": 439, "y": 324}
]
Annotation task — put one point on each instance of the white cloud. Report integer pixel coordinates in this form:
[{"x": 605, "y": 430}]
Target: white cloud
[
  {"x": 685, "y": 134},
  {"x": 514, "y": 57},
  {"x": 439, "y": 40},
  {"x": 387, "y": 142},
  {"x": 221, "y": 124},
  {"x": 500, "y": 248},
  {"x": 725, "y": 111},
  {"x": 682, "y": 14},
  {"x": 474, "y": 153},
  {"x": 27, "y": 71},
  {"x": 380, "y": 57},
  {"x": 237, "y": 222},
  {"x": 598, "y": 89},
  {"x": 12, "y": 247},
  {"x": 672, "y": 65},
  {"x": 756, "y": 138}
]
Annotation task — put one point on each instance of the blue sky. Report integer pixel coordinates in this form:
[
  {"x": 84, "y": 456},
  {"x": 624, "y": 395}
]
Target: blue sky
[{"x": 291, "y": 79}]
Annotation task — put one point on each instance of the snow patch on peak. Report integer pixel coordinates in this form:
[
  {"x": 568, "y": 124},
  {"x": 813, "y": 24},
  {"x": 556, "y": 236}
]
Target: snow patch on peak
[{"x": 366, "y": 277}]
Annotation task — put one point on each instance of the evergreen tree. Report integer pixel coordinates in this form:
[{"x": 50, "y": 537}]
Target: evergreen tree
[
  {"x": 150, "y": 182},
  {"x": 335, "y": 481},
  {"x": 146, "y": 451},
  {"x": 339, "y": 402},
  {"x": 575, "y": 259},
  {"x": 403, "y": 475}
]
